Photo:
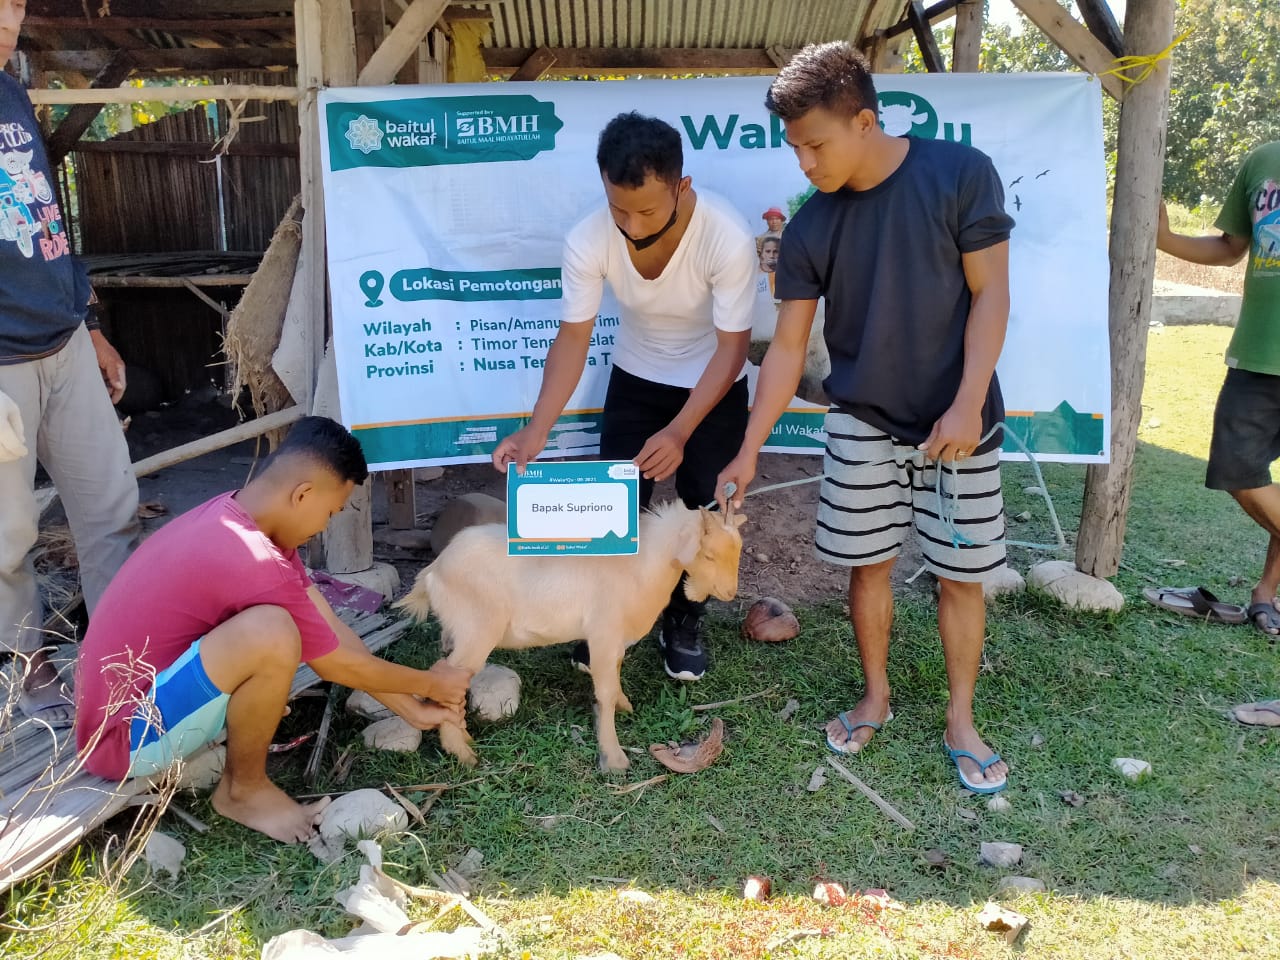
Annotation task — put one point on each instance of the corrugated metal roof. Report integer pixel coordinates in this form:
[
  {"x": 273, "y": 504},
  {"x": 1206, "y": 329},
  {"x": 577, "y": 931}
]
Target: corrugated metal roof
[{"x": 696, "y": 24}]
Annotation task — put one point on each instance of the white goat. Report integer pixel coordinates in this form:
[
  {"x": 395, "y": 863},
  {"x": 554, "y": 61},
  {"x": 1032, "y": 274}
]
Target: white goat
[{"x": 486, "y": 600}]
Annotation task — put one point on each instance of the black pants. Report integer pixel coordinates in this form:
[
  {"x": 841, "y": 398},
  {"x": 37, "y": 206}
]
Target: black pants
[{"x": 635, "y": 409}]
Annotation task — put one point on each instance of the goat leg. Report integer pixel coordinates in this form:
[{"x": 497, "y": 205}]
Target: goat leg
[
  {"x": 455, "y": 740},
  {"x": 606, "y": 666}
]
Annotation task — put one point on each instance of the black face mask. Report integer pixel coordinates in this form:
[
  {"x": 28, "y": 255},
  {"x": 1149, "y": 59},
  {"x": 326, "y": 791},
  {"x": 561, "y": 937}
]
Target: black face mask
[{"x": 646, "y": 242}]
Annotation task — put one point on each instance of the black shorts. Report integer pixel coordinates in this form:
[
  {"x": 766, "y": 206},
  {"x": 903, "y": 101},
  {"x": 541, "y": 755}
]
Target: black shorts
[
  {"x": 635, "y": 409},
  {"x": 1246, "y": 432}
]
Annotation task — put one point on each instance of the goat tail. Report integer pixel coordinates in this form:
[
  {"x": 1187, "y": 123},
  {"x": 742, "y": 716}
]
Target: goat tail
[{"x": 417, "y": 602}]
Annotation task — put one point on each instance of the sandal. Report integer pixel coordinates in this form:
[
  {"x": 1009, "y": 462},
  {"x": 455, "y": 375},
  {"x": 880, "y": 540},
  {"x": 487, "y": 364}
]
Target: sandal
[{"x": 1199, "y": 603}]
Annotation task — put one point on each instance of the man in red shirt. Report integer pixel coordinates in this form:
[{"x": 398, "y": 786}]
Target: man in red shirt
[{"x": 206, "y": 624}]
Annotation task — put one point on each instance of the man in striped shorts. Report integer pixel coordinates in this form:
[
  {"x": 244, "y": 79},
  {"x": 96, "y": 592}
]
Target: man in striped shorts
[{"x": 906, "y": 240}]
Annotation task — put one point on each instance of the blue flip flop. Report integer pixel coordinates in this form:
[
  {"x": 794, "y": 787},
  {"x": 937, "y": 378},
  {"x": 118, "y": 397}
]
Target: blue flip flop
[
  {"x": 983, "y": 765},
  {"x": 849, "y": 728}
]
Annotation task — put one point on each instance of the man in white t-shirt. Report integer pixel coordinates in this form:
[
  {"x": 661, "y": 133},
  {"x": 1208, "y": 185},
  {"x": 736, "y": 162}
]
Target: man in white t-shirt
[{"x": 682, "y": 266}]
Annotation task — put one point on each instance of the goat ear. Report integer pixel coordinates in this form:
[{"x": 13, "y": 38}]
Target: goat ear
[{"x": 687, "y": 548}]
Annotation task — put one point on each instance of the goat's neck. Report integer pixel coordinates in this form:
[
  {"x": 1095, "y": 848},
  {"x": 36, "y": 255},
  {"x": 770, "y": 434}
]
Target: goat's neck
[{"x": 659, "y": 541}]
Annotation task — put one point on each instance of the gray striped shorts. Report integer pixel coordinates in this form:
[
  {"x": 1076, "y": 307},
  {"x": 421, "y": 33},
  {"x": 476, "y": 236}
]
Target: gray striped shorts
[{"x": 875, "y": 489}]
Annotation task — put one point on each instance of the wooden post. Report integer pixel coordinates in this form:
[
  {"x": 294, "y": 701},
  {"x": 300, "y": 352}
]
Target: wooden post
[
  {"x": 368, "y": 28},
  {"x": 921, "y": 27},
  {"x": 401, "y": 43},
  {"x": 1097, "y": 16},
  {"x": 966, "y": 47},
  {"x": 1139, "y": 167},
  {"x": 311, "y": 260}
]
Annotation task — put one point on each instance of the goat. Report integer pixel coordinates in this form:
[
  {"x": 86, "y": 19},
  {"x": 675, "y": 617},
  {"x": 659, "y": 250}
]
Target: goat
[{"x": 485, "y": 600}]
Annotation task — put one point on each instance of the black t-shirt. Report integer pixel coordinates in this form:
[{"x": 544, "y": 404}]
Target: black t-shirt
[
  {"x": 44, "y": 291},
  {"x": 887, "y": 262}
]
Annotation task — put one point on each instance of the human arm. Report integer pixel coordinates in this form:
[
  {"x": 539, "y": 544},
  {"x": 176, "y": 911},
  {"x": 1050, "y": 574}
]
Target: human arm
[
  {"x": 1220, "y": 251},
  {"x": 352, "y": 665},
  {"x": 959, "y": 431},
  {"x": 780, "y": 374},
  {"x": 13, "y": 439},
  {"x": 664, "y": 451}
]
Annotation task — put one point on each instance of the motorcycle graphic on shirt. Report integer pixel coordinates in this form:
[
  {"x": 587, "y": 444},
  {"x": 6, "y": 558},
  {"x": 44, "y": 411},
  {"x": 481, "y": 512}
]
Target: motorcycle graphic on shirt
[{"x": 21, "y": 220}]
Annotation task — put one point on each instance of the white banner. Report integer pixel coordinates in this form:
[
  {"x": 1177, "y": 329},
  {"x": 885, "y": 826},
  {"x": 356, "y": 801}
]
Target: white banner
[{"x": 447, "y": 206}]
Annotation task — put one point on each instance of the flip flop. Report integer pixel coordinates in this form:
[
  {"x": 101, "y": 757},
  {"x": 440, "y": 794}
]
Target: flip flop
[
  {"x": 983, "y": 766},
  {"x": 1199, "y": 603},
  {"x": 1264, "y": 713},
  {"x": 850, "y": 746},
  {"x": 1267, "y": 610},
  {"x": 38, "y": 712}
]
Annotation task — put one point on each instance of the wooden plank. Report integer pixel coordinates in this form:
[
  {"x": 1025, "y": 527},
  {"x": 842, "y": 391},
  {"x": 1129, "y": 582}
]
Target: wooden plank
[
  {"x": 1097, "y": 16},
  {"x": 214, "y": 91},
  {"x": 174, "y": 25},
  {"x": 338, "y": 43},
  {"x": 929, "y": 51},
  {"x": 935, "y": 14},
  {"x": 1139, "y": 169},
  {"x": 368, "y": 20},
  {"x": 401, "y": 43},
  {"x": 966, "y": 45},
  {"x": 634, "y": 60},
  {"x": 219, "y": 440},
  {"x": 311, "y": 257},
  {"x": 166, "y": 8},
  {"x": 536, "y": 67},
  {"x": 82, "y": 115},
  {"x": 204, "y": 149},
  {"x": 1074, "y": 39},
  {"x": 181, "y": 58},
  {"x": 401, "y": 499},
  {"x": 109, "y": 282}
]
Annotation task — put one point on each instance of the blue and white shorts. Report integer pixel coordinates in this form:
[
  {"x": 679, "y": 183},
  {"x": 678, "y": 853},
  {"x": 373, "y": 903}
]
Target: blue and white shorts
[{"x": 183, "y": 711}]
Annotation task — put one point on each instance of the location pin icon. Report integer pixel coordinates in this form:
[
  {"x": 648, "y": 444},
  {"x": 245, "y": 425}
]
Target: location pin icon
[{"x": 371, "y": 283}]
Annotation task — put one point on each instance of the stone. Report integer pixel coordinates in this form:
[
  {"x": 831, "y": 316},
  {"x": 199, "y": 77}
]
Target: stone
[
  {"x": 364, "y": 705},
  {"x": 361, "y": 813},
  {"x": 1018, "y": 886},
  {"x": 997, "y": 919},
  {"x": 394, "y": 733},
  {"x": 381, "y": 577},
  {"x": 830, "y": 894},
  {"x": 769, "y": 620},
  {"x": 817, "y": 779},
  {"x": 1182, "y": 303},
  {"x": 204, "y": 770},
  {"x": 163, "y": 852},
  {"x": 1131, "y": 768},
  {"x": 427, "y": 474},
  {"x": 1001, "y": 581},
  {"x": 466, "y": 511},
  {"x": 419, "y": 540},
  {"x": 1061, "y": 580},
  {"x": 999, "y": 854},
  {"x": 999, "y": 803},
  {"x": 494, "y": 693},
  {"x": 757, "y": 889}
]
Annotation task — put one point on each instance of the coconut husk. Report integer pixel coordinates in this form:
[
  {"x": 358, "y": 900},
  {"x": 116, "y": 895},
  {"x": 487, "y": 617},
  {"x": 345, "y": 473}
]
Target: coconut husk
[{"x": 691, "y": 757}]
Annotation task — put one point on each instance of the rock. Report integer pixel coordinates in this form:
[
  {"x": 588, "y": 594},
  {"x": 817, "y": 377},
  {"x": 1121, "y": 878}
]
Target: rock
[
  {"x": 997, "y": 919},
  {"x": 364, "y": 705},
  {"x": 381, "y": 577},
  {"x": 770, "y": 621},
  {"x": 633, "y": 895},
  {"x": 817, "y": 779},
  {"x": 1071, "y": 798},
  {"x": 495, "y": 693},
  {"x": 1061, "y": 580},
  {"x": 1003, "y": 580},
  {"x": 788, "y": 710},
  {"x": 937, "y": 859},
  {"x": 1018, "y": 886},
  {"x": 419, "y": 540},
  {"x": 393, "y": 733},
  {"x": 1000, "y": 854},
  {"x": 361, "y": 813},
  {"x": 999, "y": 803},
  {"x": 1131, "y": 768},
  {"x": 1024, "y": 516},
  {"x": 1037, "y": 741},
  {"x": 165, "y": 853},
  {"x": 204, "y": 770},
  {"x": 427, "y": 474},
  {"x": 830, "y": 894},
  {"x": 467, "y": 510},
  {"x": 757, "y": 889},
  {"x": 1034, "y": 490}
]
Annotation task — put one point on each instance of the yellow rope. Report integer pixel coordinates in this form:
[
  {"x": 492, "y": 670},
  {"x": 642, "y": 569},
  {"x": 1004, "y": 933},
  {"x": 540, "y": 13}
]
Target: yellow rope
[{"x": 1146, "y": 63}]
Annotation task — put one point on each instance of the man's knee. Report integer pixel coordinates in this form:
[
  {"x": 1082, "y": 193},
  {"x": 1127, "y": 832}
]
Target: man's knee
[
  {"x": 871, "y": 574},
  {"x": 962, "y": 589},
  {"x": 265, "y": 634}
]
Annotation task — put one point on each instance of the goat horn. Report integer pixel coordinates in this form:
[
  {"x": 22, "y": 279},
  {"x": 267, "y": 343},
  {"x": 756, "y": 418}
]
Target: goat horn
[{"x": 728, "y": 511}]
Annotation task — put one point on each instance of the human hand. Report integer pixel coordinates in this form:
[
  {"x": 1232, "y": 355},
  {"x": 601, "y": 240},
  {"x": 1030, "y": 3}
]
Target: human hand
[
  {"x": 1162, "y": 221},
  {"x": 448, "y": 685},
  {"x": 740, "y": 472},
  {"x": 661, "y": 454},
  {"x": 955, "y": 436},
  {"x": 519, "y": 448},
  {"x": 110, "y": 364},
  {"x": 428, "y": 715},
  {"x": 13, "y": 439}
]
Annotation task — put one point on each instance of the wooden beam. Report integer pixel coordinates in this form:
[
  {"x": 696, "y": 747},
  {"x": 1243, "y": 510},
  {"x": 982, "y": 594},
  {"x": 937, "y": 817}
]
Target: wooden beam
[
  {"x": 218, "y": 441},
  {"x": 109, "y": 281},
  {"x": 187, "y": 148},
  {"x": 369, "y": 28},
  {"x": 82, "y": 115},
  {"x": 636, "y": 60},
  {"x": 176, "y": 25},
  {"x": 401, "y": 43},
  {"x": 338, "y": 38},
  {"x": 1074, "y": 39},
  {"x": 1139, "y": 169},
  {"x": 929, "y": 51},
  {"x": 1097, "y": 16},
  {"x": 536, "y": 67},
  {"x": 213, "y": 91},
  {"x": 966, "y": 46},
  {"x": 171, "y": 9},
  {"x": 943, "y": 10},
  {"x": 182, "y": 58}
]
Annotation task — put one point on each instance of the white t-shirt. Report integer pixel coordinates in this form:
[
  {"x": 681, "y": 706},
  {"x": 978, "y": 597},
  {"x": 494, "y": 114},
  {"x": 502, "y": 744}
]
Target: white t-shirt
[{"x": 667, "y": 333}]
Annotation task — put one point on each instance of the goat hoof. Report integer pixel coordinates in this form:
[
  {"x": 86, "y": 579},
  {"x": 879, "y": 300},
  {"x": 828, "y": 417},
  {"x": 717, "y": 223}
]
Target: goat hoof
[
  {"x": 614, "y": 764},
  {"x": 624, "y": 705}
]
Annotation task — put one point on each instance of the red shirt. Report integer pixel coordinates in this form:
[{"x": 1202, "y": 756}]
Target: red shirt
[{"x": 193, "y": 574}]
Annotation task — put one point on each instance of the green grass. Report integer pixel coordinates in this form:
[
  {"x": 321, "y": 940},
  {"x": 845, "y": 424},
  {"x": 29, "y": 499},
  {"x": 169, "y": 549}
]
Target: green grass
[{"x": 1184, "y": 864}]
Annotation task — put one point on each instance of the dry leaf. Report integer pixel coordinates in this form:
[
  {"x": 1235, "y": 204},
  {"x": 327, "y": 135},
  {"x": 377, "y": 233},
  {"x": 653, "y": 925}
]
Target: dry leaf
[{"x": 692, "y": 757}]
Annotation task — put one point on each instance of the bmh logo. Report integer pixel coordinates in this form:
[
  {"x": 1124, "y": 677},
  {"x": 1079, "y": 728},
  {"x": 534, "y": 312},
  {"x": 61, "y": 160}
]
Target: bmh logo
[
  {"x": 475, "y": 127},
  {"x": 364, "y": 134}
]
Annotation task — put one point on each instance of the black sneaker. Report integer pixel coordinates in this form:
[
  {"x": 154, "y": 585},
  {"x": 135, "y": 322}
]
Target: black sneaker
[
  {"x": 580, "y": 656},
  {"x": 680, "y": 641}
]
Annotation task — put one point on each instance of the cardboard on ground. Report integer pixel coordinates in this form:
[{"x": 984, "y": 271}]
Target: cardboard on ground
[{"x": 573, "y": 508}]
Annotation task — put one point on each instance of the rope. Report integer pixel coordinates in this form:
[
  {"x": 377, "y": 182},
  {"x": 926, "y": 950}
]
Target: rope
[
  {"x": 1146, "y": 63},
  {"x": 947, "y": 502}
]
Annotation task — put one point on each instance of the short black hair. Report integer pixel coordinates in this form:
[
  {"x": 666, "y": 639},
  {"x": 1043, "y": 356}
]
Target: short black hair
[
  {"x": 632, "y": 147},
  {"x": 327, "y": 443},
  {"x": 834, "y": 76}
]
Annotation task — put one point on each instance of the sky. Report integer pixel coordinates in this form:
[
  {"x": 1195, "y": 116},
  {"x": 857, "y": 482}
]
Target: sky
[{"x": 1003, "y": 11}]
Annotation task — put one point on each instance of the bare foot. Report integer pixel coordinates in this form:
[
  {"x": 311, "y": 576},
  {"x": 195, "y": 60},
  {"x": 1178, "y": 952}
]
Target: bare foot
[
  {"x": 867, "y": 711},
  {"x": 266, "y": 808},
  {"x": 44, "y": 696},
  {"x": 965, "y": 737}
]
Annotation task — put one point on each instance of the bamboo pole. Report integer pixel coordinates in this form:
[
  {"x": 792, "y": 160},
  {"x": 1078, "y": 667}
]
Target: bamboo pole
[
  {"x": 212, "y": 91},
  {"x": 217, "y": 441}
]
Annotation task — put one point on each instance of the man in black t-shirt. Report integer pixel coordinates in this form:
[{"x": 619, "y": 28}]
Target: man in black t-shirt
[{"x": 907, "y": 242}]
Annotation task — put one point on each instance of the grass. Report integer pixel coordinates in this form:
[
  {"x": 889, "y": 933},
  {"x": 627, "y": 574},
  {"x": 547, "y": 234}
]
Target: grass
[{"x": 1184, "y": 864}]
